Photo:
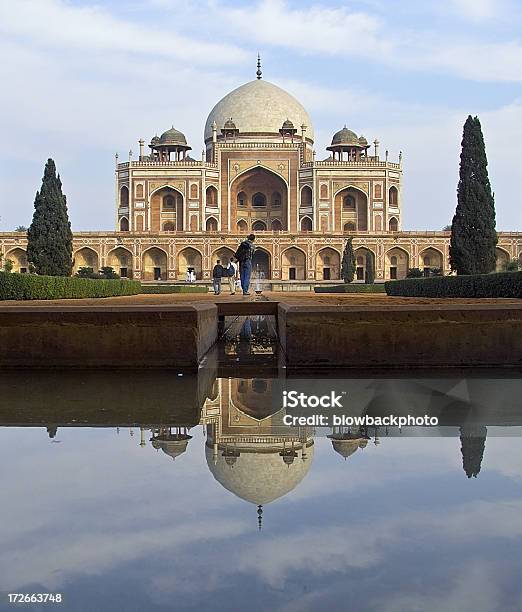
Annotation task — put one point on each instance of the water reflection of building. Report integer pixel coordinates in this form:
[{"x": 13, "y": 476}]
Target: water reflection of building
[
  {"x": 172, "y": 441},
  {"x": 346, "y": 442},
  {"x": 249, "y": 450}
]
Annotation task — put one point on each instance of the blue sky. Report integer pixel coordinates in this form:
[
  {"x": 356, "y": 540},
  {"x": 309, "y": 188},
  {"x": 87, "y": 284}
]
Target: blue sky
[{"x": 85, "y": 79}]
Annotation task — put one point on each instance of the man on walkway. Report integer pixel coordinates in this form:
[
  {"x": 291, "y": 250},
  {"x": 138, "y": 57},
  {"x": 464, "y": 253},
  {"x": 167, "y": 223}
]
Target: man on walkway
[
  {"x": 244, "y": 255},
  {"x": 217, "y": 274},
  {"x": 231, "y": 273}
]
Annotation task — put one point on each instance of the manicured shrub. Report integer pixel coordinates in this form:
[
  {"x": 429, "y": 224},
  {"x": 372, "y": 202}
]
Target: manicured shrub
[
  {"x": 174, "y": 289},
  {"x": 351, "y": 288},
  {"x": 501, "y": 285},
  {"x": 14, "y": 286}
]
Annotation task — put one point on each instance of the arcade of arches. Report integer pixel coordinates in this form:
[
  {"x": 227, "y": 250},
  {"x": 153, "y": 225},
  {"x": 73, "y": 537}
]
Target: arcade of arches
[
  {"x": 295, "y": 262},
  {"x": 351, "y": 210}
]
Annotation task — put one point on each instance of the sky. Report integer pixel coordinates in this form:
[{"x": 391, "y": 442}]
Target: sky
[{"x": 82, "y": 80}]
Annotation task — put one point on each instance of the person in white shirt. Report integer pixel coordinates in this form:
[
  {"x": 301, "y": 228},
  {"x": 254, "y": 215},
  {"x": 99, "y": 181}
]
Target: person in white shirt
[{"x": 231, "y": 273}]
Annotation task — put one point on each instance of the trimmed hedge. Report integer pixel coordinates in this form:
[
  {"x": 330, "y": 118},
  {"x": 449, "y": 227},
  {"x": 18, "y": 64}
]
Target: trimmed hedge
[
  {"x": 349, "y": 288},
  {"x": 174, "y": 289},
  {"x": 496, "y": 285},
  {"x": 15, "y": 286}
]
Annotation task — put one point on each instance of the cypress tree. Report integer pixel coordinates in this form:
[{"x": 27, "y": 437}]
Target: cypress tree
[
  {"x": 370, "y": 269},
  {"x": 473, "y": 234},
  {"x": 348, "y": 263},
  {"x": 49, "y": 239},
  {"x": 473, "y": 441}
]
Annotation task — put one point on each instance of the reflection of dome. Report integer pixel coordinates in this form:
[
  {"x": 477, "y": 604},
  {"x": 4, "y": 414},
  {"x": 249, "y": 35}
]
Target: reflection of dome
[
  {"x": 347, "y": 444},
  {"x": 259, "y": 107},
  {"x": 171, "y": 447},
  {"x": 259, "y": 477}
]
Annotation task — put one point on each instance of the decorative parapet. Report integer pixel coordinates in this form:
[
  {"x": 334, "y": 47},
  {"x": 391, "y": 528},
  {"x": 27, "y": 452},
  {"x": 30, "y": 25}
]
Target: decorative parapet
[
  {"x": 166, "y": 164},
  {"x": 351, "y": 164}
]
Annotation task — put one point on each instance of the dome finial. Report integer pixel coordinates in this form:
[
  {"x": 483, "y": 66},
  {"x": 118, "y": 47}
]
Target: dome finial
[
  {"x": 258, "y": 72},
  {"x": 260, "y": 516}
]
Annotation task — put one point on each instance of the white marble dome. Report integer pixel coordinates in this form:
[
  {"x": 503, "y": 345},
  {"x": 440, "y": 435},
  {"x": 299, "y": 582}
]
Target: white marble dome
[
  {"x": 259, "y": 107},
  {"x": 261, "y": 477}
]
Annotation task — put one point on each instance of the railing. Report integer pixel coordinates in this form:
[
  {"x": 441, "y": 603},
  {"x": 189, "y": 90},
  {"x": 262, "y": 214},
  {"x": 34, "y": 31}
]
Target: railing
[
  {"x": 351, "y": 164},
  {"x": 167, "y": 164}
]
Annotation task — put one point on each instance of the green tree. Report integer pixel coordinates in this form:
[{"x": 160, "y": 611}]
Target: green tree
[
  {"x": 8, "y": 265},
  {"x": 49, "y": 239},
  {"x": 21, "y": 228},
  {"x": 473, "y": 235},
  {"x": 370, "y": 269},
  {"x": 414, "y": 273},
  {"x": 108, "y": 272},
  {"x": 348, "y": 263}
]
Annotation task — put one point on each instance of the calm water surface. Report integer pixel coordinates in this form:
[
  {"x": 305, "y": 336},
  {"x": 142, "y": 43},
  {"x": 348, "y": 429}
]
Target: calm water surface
[{"x": 153, "y": 491}]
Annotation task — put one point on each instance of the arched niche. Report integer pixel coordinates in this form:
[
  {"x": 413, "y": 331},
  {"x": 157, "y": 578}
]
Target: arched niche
[
  {"x": 327, "y": 264},
  {"x": 154, "y": 264},
  {"x": 86, "y": 258},
  {"x": 293, "y": 264},
  {"x": 189, "y": 258},
  {"x": 351, "y": 205},
  {"x": 120, "y": 259},
  {"x": 397, "y": 264}
]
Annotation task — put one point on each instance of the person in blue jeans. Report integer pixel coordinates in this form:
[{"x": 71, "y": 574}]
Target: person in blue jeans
[
  {"x": 217, "y": 274},
  {"x": 244, "y": 255}
]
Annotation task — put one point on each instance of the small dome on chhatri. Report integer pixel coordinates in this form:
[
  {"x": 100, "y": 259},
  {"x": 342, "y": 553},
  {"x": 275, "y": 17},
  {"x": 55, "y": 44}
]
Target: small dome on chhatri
[
  {"x": 229, "y": 124},
  {"x": 345, "y": 137},
  {"x": 288, "y": 125},
  {"x": 363, "y": 141},
  {"x": 172, "y": 137},
  {"x": 155, "y": 140}
]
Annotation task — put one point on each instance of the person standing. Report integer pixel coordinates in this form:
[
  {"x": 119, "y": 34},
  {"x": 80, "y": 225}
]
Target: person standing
[
  {"x": 217, "y": 275},
  {"x": 244, "y": 255},
  {"x": 231, "y": 272}
]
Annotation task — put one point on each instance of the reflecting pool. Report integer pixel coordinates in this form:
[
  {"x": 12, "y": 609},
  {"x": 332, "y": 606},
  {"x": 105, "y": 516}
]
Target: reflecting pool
[{"x": 169, "y": 491}]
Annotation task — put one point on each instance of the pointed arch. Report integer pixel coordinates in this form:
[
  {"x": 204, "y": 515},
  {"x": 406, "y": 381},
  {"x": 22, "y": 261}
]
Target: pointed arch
[
  {"x": 276, "y": 225},
  {"x": 19, "y": 258},
  {"x": 124, "y": 224},
  {"x": 306, "y": 224},
  {"x": 211, "y": 225},
  {"x": 120, "y": 259},
  {"x": 154, "y": 264},
  {"x": 189, "y": 257},
  {"x": 259, "y": 226},
  {"x": 242, "y": 226},
  {"x": 328, "y": 264},
  {"x": 124, "y": 196},
  {"x": 393, "y": 224},
  {"x": 293, "y": 264},
  {"x": 85, "y": 257},
  {"x": 397, "y": 263}
]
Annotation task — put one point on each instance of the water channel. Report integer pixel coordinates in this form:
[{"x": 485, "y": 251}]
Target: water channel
[{"x": 150, "y": 490}]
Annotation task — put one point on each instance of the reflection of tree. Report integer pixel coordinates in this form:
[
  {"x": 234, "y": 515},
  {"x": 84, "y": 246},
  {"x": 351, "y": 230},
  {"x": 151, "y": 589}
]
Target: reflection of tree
[
  {"x": 473, "y": 441},
  {"x": 52, "y": 430}
]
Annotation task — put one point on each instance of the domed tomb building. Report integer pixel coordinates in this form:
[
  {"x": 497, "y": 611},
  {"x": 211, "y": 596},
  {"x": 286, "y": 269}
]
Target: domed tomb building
[{"x": 259, "y": 172}]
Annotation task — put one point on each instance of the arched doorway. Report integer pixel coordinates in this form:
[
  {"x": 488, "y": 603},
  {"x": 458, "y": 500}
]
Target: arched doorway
[
  {"x": 86, "y": 258},
  {"x": 327, "y": 264},
  {"x": 223, "y": 254},
  {"x": 258, "y": 189},
  {"x": 259, "y": 226},
  {"x": 154, "y": 264},
  {"x": 169, "y": 227},
  {"x": 306, "y": 224},
  {"x": 212, "y": 196},
  {"x": 361, "y": 260},
  {"x": 430, "y": 259},
  {"x": 124, "y": 197},
  {"x": 19, "y": 258},
  {"x": 124, "y": 224},
  {"x": 242, "y": 226},
  {"x": 502, "y": 259},
  {"x": 397, "y": 264},
  {"x": 261, "y": 264},
  {"x": 212, "y": 225},
  {"x": 189, "y": 258},
  {"x": 393, "y": 225},
  {"x": 120, "y": 259},
  {"x": 293, "y": 264},
  {"x": 394, "y": 197},
  {"x": 276, "y": 225},
  {"x": 167, "y": 204},
  {"x": 306, "y": 197},
  {"x": 351, "y": 206}
]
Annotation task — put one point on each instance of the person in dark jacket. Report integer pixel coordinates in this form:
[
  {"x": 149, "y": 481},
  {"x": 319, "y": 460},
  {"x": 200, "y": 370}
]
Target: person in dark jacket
[
  {"x": 217, "y": 274},
  {"x": 244, "y": 255}
]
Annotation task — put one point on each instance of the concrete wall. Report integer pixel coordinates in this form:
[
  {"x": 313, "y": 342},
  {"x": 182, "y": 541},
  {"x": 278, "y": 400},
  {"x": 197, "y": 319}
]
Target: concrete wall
[
  {"x": 105, "y": 336},
  {"x": 402, "y": 336}
]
